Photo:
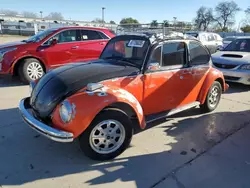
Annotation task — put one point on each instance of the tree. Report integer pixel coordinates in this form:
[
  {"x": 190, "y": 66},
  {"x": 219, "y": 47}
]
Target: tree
[
  {"x": 129, "y": 21},
  {"x": 225, "y": 13},
  {"x": 55, "y": 16},
  {"x": 8, "y": 12},
  {"x": 204, "y": 18},
  {"x": 97, "y": 20},
  {"x": 246, "y": 29},
  {"x": 247, "y": 11},
  {"x": 27, "y": 14},
  {"x": 112, "y": 22},
  {"x": 154, "y": 23},
  {"x": 166, "y": 23}
]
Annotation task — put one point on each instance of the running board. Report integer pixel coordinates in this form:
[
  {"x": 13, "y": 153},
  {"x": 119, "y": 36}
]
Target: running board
[{"x": 155, "y": 117}]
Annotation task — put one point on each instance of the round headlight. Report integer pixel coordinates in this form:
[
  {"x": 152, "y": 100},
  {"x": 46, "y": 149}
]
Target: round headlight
[{"x": 66, "y": 111}]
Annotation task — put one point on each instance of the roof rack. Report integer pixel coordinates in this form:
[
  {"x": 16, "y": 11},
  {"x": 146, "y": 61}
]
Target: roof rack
[{"x": 155, "y": 33}]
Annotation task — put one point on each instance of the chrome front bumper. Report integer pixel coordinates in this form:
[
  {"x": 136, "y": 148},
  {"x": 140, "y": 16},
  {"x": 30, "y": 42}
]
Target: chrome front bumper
[
  {"x": 238, "y": 76},
  {"x": 40, "y": 127}
]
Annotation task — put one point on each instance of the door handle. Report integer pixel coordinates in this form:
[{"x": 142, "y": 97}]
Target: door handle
[
  {"x": 74, "y": 47},
  {"x": 102, "y": 43}
]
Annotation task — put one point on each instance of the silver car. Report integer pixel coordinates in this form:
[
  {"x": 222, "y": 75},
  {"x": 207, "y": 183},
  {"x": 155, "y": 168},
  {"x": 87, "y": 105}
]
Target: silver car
[{"x": 234, "y": 61}]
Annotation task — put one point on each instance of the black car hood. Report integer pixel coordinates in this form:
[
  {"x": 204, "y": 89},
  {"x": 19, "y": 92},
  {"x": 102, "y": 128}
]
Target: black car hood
[{"x": 62, "y": 82}]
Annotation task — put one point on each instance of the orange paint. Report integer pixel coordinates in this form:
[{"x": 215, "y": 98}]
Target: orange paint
[{"x": 147, "y": 94}]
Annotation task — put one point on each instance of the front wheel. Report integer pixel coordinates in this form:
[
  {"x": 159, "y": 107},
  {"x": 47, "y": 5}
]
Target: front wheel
[
  {"x": 108, "y": 136},
  {"x": 213, "y": 98},
  {"x": 30, "y": 70}
]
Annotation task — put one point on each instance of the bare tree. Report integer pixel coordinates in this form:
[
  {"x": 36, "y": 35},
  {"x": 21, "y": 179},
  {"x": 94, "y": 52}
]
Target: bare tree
[
  {"x": 29, "y": 14},
  {"x": 225, "y": 14},
  {"x": 247, "y": 11},
  {"x": 97, "y": 20},
  {"x": 55, "y": 16},
  {"x": 8, "y": 12},
  {"x": 204, "y": 18}
]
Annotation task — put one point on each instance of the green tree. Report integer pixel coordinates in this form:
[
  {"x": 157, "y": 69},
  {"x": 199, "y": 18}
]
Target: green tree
[
  {"x": 112, "y": 22},
  {"x": 129, "y": 21},
  {"x": 166, "y": 23},
  {"x": 246, "y": 29},
  {"x": 154, "y": 23}
]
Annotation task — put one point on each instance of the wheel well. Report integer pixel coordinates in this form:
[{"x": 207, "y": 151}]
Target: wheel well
[
  {"x": 18, "y": 63},
  {"x": 221, "y": 82},
  {"x": 126, "y": 108}
]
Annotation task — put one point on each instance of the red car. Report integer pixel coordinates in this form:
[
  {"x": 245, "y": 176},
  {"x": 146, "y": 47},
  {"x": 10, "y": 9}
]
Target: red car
[{"x": 30, "y": 59}]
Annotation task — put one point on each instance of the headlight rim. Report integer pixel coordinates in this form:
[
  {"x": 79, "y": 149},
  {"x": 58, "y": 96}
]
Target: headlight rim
[{"x": 70, "y": 111}]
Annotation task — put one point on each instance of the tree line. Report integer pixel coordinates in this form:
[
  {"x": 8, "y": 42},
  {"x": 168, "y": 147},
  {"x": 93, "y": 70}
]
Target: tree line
[
  {"x": 221, "y": 17},
  {"x": 28, "y": 14}
]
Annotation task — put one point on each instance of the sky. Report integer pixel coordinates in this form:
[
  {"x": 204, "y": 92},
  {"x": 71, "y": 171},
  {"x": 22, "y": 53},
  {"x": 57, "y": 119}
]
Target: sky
[{"x": 143, "y": 10}]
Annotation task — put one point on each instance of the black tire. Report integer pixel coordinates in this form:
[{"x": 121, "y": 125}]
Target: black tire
[
  {"x": 107, "y": 114},
  {"x": 23, "y": 70},
  {"x": 208, "y": 106}
]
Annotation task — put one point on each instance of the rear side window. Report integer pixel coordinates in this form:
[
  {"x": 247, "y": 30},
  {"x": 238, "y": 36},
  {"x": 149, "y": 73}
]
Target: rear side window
[
  {"x": 90, "y": 35},
  {"x": 103, "y": 35},
  {"x": 174, "y": 54},
  {"x": 198, "y": 55},
  {"x": 211, "y": 37}
]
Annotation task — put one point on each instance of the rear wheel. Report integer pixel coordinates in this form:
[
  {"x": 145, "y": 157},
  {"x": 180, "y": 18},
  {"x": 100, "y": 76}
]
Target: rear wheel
[
  {"x": 30, "y": 69},
  {"x": 108, "y": 136},
  {"x": 213, "y": 98}
]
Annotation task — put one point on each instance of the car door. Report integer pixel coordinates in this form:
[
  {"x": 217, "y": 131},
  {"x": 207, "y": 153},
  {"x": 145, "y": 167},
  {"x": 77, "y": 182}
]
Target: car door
[
  {"x": 64, "y": 51},
  {"x": 167, "y": 87},
  {"x": 199, "y": 64},
  {"x": 92, "y": 44}
]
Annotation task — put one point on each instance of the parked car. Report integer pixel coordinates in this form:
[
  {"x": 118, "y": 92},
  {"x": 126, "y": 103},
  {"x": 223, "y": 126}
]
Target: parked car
[
  {"x": 30, "y": 59},
  {"x": 227, "y": 41},
  {"x": 135, "y": 81},
  {"x": 212, "y": 41},
  {"x": 234, "y": 61}
]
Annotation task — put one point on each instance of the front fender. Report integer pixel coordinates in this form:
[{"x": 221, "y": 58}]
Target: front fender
[
  {"x": 212, "y": 76},
  {"x": 89, "y": 104}
]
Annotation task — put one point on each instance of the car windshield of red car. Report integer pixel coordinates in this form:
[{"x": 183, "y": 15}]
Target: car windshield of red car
[
  {"x": 132, "y": 51},
  {"x": 40, "y": 36},
  {"x": 239, "y": 45}
]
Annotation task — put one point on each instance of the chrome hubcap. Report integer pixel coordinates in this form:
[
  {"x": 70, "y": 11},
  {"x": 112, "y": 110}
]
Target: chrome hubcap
[
  {"x": 34, "y": 70},
  {"x": 107, "y": 136},
  {"x": 214, "y": 97}
]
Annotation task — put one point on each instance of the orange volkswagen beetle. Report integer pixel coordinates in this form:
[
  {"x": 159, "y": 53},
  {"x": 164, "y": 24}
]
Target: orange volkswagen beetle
[{"x": 137, "y": 79}]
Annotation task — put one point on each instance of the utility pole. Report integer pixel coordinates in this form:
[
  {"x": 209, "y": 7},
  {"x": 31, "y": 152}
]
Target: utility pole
[
  {"x": 103, "y": 8},
  {"x": 41, "y": 12},
  {"x": 175, "y": 18}
]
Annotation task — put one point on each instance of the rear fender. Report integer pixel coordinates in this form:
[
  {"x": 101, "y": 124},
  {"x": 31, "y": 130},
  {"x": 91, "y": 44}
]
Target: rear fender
[
  {"x": 212, "y": 76},
  {"x": 89, "y": 104}
]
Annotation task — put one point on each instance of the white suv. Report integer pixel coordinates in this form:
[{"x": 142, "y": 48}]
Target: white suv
[{"x": 212, "y": 41}]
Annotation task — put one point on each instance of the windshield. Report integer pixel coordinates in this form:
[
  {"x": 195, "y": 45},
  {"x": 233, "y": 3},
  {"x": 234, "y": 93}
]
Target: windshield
[
  {"x": 40, "y": 36},
  {"x": 239, "y": 45},
  {"x": 129, "y": 50}
]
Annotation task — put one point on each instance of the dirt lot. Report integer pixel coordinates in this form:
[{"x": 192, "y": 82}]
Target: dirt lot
[{"x": 11, "y": 38}]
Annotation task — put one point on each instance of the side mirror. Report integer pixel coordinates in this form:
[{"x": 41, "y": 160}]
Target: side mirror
[
  {"x": 154, "y": 66},
  {"x": 53, "y": 42}
]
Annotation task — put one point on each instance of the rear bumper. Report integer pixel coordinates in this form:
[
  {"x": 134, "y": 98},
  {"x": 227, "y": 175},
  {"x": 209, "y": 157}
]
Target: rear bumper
[
  {"x": 40, "y": 127},
  {"x": 237, "y": 76}
]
